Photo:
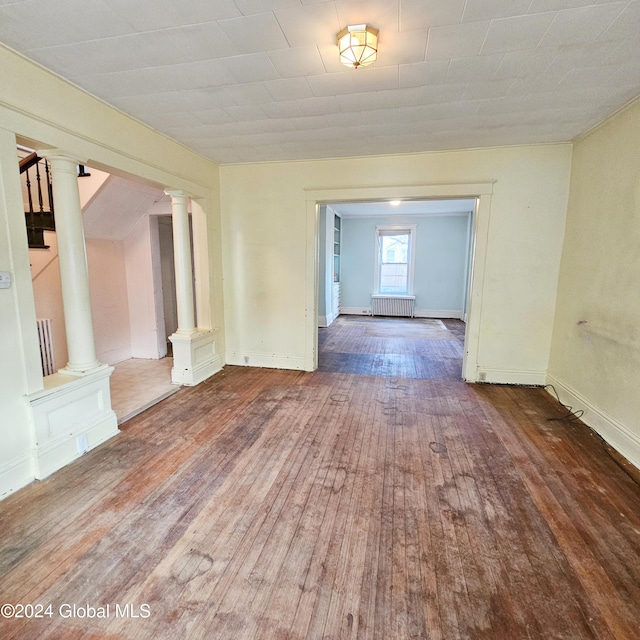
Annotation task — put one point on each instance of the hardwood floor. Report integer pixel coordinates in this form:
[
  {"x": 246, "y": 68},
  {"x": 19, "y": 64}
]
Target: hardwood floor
[
  {"x": 393, "y": 347},
  {"x": 369, "y": 499}
]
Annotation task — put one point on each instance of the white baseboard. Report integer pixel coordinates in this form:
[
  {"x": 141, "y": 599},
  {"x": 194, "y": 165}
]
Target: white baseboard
[
  {"x": 439, "y": 313},
  {"x": 61, "y": 452},
  {"x": 114, "y": 356},
  {"x": 510, "y": 376},
  {"x": 15, "y": 474},
  {"x": 266, "y": 361},
  {"x": 355, "y": 311},
  {"x": 198, "y": 374},
  {"x": 619, "y": 436},
  {"x": 325, "y": 321},
  {"x": 418, "y": 313}
]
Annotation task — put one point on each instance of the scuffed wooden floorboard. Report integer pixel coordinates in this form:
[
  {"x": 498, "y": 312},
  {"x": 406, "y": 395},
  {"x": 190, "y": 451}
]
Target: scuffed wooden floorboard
[{"x": 377, "y": 498}]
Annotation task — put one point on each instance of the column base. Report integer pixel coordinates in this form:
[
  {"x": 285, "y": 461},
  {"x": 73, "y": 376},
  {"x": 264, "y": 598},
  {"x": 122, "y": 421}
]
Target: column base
[
  {"x": 195, "y": 357},
  {"x": 70, "y": 416},
  {"x": 66, "y": 371}
]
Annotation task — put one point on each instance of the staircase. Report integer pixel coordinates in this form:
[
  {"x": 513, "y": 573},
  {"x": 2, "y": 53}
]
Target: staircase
[{"x": 40, "y": 214}]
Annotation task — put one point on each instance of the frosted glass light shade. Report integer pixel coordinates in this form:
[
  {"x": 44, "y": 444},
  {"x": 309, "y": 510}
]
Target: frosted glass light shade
[{"x": 358, "y": 45}]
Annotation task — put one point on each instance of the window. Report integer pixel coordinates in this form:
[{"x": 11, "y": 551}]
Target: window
[{"x": 394, "y": 260}]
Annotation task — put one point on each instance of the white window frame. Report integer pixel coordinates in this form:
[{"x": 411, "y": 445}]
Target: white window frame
[{"x": 385, "y": 229}]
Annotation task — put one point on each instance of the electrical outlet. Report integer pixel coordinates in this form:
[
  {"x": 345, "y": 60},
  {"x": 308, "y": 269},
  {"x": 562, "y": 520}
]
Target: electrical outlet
[
  {"x": 83, "y": 443},
  {"x": 482, "y": 376},
  {"x": 246, "y": 359},
  {"x": 5, "y": 279}
]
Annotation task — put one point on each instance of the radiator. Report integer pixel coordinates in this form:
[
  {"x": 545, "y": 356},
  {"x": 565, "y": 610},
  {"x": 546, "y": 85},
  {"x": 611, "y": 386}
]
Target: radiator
[
  {"x": 392, "y": 306},
  {"x": 46, "y": 346}
]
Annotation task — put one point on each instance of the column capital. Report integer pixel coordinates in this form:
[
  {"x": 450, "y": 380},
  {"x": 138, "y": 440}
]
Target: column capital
[
  {"x": 176, "y": 194},
  {"x": 61, "y": 155}
]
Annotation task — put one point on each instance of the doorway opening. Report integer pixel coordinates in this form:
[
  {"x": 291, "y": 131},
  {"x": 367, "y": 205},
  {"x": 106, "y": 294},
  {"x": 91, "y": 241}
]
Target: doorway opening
[
  {"x": 393, "y": 282},
  {"x": 126, "y": 262},
  {"x": 477, "y": 212}
]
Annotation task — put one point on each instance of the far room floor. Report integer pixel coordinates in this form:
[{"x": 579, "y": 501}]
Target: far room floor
[{"x": 406, "y": 347}]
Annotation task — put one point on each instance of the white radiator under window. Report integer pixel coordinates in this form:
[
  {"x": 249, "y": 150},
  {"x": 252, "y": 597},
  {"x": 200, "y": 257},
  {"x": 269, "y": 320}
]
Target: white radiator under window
[
  {"x": 46, "y": 346},
  {"x": 392, "y": 305}
]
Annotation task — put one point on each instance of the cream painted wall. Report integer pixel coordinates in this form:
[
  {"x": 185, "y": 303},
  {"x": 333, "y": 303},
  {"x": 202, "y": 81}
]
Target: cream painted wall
[
  {"x": 206, "y": 223},
  {"x": 595, "y": 357},
  {"x": 264, "y": 230}
]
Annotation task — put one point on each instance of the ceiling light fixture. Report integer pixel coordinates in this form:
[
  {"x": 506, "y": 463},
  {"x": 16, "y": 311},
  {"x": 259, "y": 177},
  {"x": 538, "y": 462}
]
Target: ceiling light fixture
[
  {"x": 358, "y": 45},
  {"x": 395, "y": 203}
]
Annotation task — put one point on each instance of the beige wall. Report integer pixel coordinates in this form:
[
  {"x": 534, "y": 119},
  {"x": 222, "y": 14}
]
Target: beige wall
[
  {"x": 109, "y": 300},
  {"x": 265, "y": 234},
  {"x": 595, "y": 356},
  {"x": 141, "y": 251}
]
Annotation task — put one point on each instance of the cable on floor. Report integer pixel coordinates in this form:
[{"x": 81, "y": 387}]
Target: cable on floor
[
  {"x": 571, "y": 415},
  {"x": 574, "y": 416}
]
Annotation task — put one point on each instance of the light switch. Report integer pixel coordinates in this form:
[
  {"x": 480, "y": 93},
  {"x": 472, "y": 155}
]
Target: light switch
[{"x": 5, "y": 280}]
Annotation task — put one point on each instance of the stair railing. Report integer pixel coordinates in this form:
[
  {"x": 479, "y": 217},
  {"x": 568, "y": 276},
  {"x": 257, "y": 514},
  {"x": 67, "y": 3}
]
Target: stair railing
[{"x": 41, "y": 220}]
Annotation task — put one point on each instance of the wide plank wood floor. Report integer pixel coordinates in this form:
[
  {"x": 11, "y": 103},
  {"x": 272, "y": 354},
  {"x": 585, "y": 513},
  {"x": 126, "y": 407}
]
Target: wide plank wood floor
[
  {"x": 408, "y": 348},
  {"x": 378, "y": 497}
]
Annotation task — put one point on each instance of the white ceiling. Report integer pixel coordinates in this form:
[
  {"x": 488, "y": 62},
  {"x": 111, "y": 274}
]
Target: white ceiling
[
  {"x": 403, "y": 208},
  {"x": 118, "y": 207},
  {"x": 254, "y": 80}
]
